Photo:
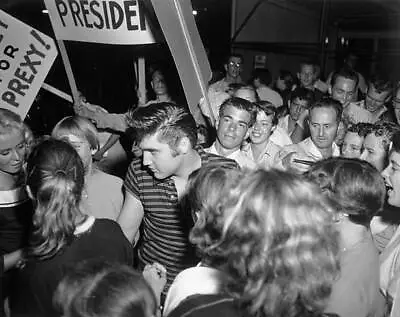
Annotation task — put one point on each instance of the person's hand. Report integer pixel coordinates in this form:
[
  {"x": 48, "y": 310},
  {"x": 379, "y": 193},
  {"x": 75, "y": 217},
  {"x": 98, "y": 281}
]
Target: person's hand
[
  {"x": 289, "y": 162},
  {"x": 301, "y": 121},
  {"x": 156, "y": 275}
]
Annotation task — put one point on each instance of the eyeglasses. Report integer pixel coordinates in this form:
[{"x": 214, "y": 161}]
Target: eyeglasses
[{"x": 233, "y": 64}]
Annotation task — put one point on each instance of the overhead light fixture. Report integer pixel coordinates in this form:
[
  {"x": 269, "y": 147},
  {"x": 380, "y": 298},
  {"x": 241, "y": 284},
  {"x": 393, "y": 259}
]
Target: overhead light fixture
[
  {"x": 45, "y": 11},
  {"x": 194, "y": 12}
]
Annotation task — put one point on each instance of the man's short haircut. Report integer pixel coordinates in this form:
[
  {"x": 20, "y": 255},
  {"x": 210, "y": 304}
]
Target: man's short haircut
[
  {"x": 361, "y": 128},
  {"x": 380, "y": 83},
  {"x": 345, "y": 73},
  {"x": 228, "y": 57},
  {"x": 329, "y": 103},
  {"x": 263, "y": 75},
  {"x": 172, "y": 122},
  {"x": 269, "y": 109},
  {"x": 303, "y": 94},
  {"x": 241, "y": 104}
]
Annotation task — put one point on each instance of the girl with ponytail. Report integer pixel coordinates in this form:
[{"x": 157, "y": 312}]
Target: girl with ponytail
[{"x": 63, "y": 235}]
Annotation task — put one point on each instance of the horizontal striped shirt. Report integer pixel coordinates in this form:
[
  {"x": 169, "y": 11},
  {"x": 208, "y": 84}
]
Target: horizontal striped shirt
[{"x": 164, "y": 235}]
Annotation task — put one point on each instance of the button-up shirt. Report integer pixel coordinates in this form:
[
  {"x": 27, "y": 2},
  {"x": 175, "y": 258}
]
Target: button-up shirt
[
  {"x": 238, "y": 156},
  {"x": 267, "y": 157}
]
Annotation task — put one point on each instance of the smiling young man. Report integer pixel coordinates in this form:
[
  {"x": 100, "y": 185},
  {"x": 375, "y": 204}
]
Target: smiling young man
[
  {"x": 155, "y": 183},
  {"x": 236, "y": 117},
  {"x": 323, "y": 123}
]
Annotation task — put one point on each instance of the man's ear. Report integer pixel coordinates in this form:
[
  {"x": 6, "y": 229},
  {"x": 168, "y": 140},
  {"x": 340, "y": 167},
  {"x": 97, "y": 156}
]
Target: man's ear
[
  {"x": 298, "y": 76},
  {"x": 330, "y": 90},
  {"x": 226, "y": 67},
  {"x": 184, "y": 145}
]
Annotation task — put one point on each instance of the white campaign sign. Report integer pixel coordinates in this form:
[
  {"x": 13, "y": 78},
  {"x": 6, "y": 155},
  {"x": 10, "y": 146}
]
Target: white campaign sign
[
  {"x": 26, "y": 56},
  {"x": 99, "y": 21}
]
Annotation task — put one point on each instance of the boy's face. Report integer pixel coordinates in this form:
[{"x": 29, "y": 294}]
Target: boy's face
[
  {"x": 262, "y": 128},
  {"x": 297, "y": 106},
  {"x": 374, "y": 99},
  {"x": 232, "y": 127},
  {"x": 307, "y": 76},
  {"x": 352, "y": 145},
  {"x": 374, "y": 151}
]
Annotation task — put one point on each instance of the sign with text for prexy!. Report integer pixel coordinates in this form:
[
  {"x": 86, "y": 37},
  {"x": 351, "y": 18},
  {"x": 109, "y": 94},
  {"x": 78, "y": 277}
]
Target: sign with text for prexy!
[
  {"x": 99, "y": 21},
  {"x": 26, "y": 56}
]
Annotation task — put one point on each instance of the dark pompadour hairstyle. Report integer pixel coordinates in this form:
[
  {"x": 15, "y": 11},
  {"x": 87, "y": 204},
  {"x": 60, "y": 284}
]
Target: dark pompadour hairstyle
[
  {"x": 172, "y": 122},
  {"x": 240, "y": 104}
]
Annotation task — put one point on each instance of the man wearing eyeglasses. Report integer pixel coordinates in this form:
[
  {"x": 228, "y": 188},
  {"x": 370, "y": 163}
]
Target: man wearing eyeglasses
[
  {"x": 218, "y": 91},
  {"x": 373, "y": 107}
]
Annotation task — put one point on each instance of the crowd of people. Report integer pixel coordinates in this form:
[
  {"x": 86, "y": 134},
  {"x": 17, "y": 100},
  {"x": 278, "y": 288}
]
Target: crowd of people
[{"x": 280, "y": 202}]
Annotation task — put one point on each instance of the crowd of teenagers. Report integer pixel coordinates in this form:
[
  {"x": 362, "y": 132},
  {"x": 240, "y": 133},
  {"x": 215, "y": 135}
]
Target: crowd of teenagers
[{"x": 273, "y": 199}]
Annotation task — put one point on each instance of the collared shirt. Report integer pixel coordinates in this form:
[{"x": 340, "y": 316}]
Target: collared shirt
[
  {"x": 267, "y": 158},
  {"x": 280, "y": 137},
  {"x": 164, "y": 236},
  {"x": 305, "y": 147},
  {"x": 238, "y": 156},
  {"x": 310, "y": 149},
  {"x": 283, "y": 124}
]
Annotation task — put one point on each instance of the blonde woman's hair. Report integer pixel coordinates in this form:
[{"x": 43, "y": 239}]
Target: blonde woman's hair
[{"x": 78, "y": 126}]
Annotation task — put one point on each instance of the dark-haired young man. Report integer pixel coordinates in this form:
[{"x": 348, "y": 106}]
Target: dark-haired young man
[
  {"x": 236, "y": 117},
  {"x": 155, "y": 183}
]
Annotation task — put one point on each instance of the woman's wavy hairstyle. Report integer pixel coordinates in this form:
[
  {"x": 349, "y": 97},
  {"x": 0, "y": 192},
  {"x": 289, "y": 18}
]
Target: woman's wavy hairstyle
[
  {"x": 279, "y": 243},
  {"x": 206, "y": 193},
  {"x": 55, "y": 176},
  {"x": 96, "y": 288},
  {"x": 354, "y": 186}
]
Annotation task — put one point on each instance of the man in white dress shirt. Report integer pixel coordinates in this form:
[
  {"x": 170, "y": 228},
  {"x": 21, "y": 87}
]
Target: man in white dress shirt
[{"x": 323, "y": 123}]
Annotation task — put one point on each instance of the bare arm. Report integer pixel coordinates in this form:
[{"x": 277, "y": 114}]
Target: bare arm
[
  {"x": 131, "y": 216},
  {"x": 110, "y": 142}
]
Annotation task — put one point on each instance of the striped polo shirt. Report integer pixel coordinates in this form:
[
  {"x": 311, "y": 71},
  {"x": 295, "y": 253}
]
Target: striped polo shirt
[{"x": 164, "y": 236}]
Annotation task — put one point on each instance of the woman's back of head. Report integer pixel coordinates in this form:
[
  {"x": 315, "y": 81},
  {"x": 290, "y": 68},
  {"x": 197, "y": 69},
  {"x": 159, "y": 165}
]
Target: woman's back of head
[
  {"x": 99, "y": 289},
  {"x": 55, "y": 179},
  {"x": 279, "y": 243},
  {"x": 354, "y": 186}
]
